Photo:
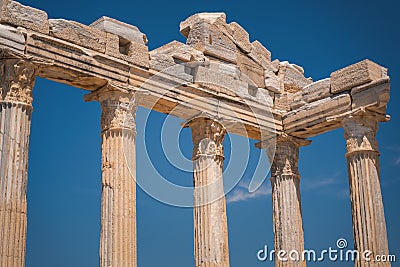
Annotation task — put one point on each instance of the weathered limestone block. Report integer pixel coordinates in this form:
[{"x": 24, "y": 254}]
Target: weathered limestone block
[
  {"x": 297, "y": 67},
  {"x": 375, "y": 95},
  {"x": 250, "y": 68},
  {"x": 265, "y": 97},
  {"x": 11, "y": 38},
  {"x": 177, "y": 59},
  {"x": 272, "y": 82},
  {"x": 354, "y": 75},
  {"x": 317, "y": 90},
  {"x": 185, "y": 26},
  {"x": 180, "y": 51},
  {"x": 216, "y": 80},
  {"x": 161, "y": 61},
  {"x": 73, "y": 64},
  {"x": 123, "y": 30},
  {"x": 209, "y": 39},
  {"x": 79, "y": 34},
  {"x": 275, "y": 65},
  {"x": 296, "y": 100},
  {"x": 240, "y": 37},
  {"x": 114, "y": 49},
  {"x": 260, "y": 54},
  {"x": 138, "y": 54},
  {"x": 292, "y": 78},
  {"x": 134, "y": 53},
  {"x": 166, "y": 64},
  {"x": 16, "y": 14},
  {"x": 281, "y": 102},
  {"x": 124, "y": 41},
  {"x": 316, "y": 112},
  {"x": 224, "y": 68},
  {"x": 112, "y": 45}
]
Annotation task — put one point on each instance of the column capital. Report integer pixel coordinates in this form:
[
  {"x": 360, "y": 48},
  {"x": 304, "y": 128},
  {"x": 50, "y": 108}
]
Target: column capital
[
  {"x": 17, "y": 80},
  {"x": 273, "y": 145},
  {"x": 360, "y": 133},
  {"x": 283, "y": 153},
  {"x": 208, "y": 135},
  {"x": 118, "y": 107}
]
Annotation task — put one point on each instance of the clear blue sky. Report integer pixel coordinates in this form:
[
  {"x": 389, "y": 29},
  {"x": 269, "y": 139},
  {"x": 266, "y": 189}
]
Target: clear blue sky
[{"x": 64, "y": 185}]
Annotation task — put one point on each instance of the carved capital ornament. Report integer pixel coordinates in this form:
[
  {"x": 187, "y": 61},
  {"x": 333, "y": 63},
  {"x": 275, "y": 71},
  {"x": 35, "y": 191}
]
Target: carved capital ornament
[
  {"x": 17, "y": 80},
  {"x": 360, "y": 134},
  {"x": 208, "y": 136}
]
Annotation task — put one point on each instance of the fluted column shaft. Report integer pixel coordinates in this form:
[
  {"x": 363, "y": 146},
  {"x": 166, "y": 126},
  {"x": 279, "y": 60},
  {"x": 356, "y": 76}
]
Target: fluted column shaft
[
  {"x": 286, "y": 201},
  {"x": 118, "y": 204},
  {"x": 17, "y": 79},
  {"x": 369, "y": 225},
  {"x": 210, "y": 221}
]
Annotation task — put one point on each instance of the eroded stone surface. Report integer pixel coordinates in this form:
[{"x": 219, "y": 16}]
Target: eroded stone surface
[
  {"x": 281, "y": 102},
  {"x": 79, "y": 34},
  {"x": 354, "y": 75},
  {"x": 208, "y": 39},
  {"x": 11, "y": 38},
  {"x": 316, "y": 112},
  {"x": 251, "y": 69},
  {"x": 16, "y": 14},
  {"x": 211, "y": 18},
  {"x": 123, "y": 30},
  {"x": 180, "y": 51},
  {"x": 292, "y": 78},
  {"x": 135, "y": 53},
  {"x": 375, "y": 96},
  {"x": 272, "y": 82},
  {"x": 215, "y": 80},
  {"x": 297, "y": 100},
  {"x": 240, "y": 36},
  {"x": 316, "y": 90},
  {"x": 260, "y": 54}
]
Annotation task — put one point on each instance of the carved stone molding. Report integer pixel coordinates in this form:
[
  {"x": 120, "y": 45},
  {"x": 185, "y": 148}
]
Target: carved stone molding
[
  {"x": 360, "y": 134},
  {"x": 208, "y": 136},
  {"x": 17, "y": 77}
]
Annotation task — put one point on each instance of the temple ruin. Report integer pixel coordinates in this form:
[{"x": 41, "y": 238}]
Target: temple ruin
[{"x": 110, "y": 60}]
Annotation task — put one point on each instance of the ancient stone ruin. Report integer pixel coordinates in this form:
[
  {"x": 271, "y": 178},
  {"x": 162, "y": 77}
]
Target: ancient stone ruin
[{"x": 269, "y": 100}]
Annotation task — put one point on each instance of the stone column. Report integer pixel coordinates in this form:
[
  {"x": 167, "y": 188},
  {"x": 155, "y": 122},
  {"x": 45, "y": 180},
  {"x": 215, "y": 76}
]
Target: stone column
[
  {"x": 17, "y": 77},
  {"x": 286, "y": 200},
  {"x": 369, "y": 225},
  {"x": 118, "y": 203},
  {"x": 210, "y": 222}
]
